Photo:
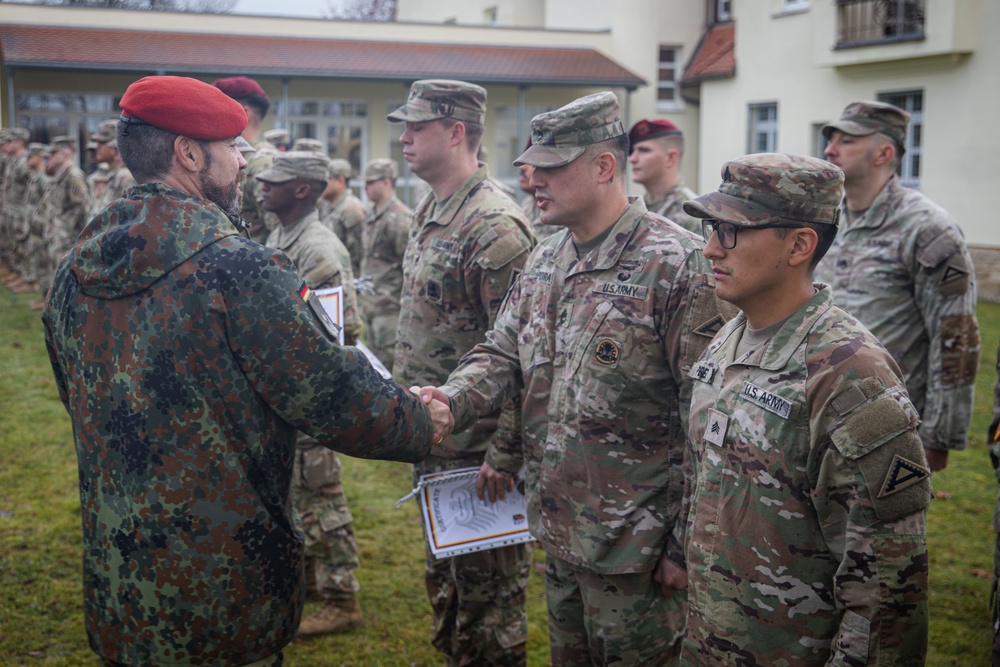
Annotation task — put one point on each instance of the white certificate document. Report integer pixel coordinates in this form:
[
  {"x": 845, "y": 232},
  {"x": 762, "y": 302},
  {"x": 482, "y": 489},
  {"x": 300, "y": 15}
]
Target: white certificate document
[
  {"x": 457, "y": 522},
  {"x": 332, "y": 300}
]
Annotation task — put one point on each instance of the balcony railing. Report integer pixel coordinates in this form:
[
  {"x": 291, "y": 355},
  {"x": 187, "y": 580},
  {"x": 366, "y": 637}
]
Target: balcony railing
[{"x": 865, "y": 22}]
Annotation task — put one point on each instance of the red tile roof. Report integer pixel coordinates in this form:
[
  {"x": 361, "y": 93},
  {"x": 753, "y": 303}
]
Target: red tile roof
[
  {"x": 715, "y": 55},
  {"x": 176, "y": 52}
]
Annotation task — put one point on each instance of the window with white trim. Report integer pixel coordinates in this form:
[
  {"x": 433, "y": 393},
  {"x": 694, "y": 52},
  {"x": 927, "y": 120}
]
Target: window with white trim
[
  {"x": 912, "y": 102},
  {"x": 668, "y": 78},
  {"x": 763, "y": 131}
]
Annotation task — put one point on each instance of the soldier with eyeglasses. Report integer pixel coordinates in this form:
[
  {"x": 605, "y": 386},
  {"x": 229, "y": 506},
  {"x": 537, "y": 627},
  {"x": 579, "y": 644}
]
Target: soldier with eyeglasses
[{"x": 805, "y": 541}]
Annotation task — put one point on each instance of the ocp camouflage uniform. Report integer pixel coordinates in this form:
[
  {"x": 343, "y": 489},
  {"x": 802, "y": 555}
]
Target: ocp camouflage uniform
[
  {"x": 318, "y": 494},
  {"x": 671, "y": 205},
  {"x": 460, "y": 261},
  {"x": 322, "y": 260},
  {"x": 214, "y": 578},
  {"x": 116, "y": 181},
  {"x": 16, "y": 210},
  {"x": 993, "y": 443},
  {"x": 344, "y": 217},
  {"x": 903, "y": 269},
  {"x": 33, "y": 242},
  {"x": 63, "y": 212},
  {"x": 600, "y": 346},
  {"x": 806, "y": 533},
  {"x": 384, "y": 236},
  {"x": 261, "y": 222}
]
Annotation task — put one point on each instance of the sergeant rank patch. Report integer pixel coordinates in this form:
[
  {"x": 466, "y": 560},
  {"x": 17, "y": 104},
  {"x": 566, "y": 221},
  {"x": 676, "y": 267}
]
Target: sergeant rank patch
[{"x": 902, "y": 474}]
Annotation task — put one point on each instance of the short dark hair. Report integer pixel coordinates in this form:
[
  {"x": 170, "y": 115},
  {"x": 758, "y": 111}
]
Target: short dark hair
[
  {"x": 473, "y": 132},
  {"x": 825, "y": 233},
  {"x": 147, "y": 151},
  {"x": 259, "y": 103},
  {"x": 617, "y": 146}
]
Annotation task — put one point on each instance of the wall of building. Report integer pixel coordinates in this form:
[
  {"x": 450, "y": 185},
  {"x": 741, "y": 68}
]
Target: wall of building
[{"x": 776, "y": 61}]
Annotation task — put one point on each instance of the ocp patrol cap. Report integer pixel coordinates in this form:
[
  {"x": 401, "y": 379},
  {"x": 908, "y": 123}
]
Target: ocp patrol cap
[
  {"x": 763, "y": 188},
  {"x": 431, "y": 99},
  {"x": 559, "y": 137}
]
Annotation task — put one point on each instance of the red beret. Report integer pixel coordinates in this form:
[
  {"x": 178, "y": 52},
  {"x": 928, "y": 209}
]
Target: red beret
[
  {"x": 651, "y": 129},
  {"x": 239, "y": 86},
  {"x": 184, "y": 106}
]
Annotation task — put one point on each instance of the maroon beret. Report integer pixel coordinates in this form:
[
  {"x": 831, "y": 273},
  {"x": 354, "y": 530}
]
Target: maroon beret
[
  {"x": 184, "y": 106},
  {"x": 651, "y": 129},
  {"x": 239, "y": 86}
]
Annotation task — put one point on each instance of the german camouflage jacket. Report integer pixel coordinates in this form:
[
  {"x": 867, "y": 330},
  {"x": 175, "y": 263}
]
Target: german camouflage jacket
[{"x": 187, "y": 356}]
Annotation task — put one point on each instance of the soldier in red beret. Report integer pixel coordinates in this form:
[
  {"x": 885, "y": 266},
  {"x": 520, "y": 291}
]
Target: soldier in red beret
[
  {"x": 255, "y": 103},
  {"x": 656, "y": 149},
  {"x": 187, "y": 357}
]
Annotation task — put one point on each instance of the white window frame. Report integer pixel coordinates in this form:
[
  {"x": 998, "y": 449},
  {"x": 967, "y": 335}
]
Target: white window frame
[
  {"x": 677, "y": 103},
  {"x": 723, "y": 11},
  {"x": 910, "y": 163},
  {"x": 795, "y": 5},
  {"x": 757, "y": 125}
]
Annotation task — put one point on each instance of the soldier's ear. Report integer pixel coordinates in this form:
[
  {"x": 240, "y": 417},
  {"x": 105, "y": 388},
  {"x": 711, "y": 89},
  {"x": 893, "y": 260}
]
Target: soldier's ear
[
  {"x": 188, "y": 154},
  {"x": 803, "y": 242}
]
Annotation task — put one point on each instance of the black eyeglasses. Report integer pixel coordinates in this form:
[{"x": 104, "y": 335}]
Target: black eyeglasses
[{"x": 727, "y": 230}]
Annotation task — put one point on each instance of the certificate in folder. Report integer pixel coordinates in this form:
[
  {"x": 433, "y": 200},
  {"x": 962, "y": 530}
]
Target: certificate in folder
[{"x": 457, "y": 522}]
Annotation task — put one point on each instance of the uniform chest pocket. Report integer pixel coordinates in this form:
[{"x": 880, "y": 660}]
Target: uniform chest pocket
[
  {"x": 874, "y": 268},
  {"x": 610, "y": 350}
]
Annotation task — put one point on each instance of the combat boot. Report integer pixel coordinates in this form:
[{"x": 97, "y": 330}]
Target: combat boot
[{"x": 335, "y": 616}]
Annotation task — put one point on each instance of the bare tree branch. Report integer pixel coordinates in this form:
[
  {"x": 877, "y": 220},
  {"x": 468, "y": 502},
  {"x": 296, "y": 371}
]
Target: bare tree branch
[{"x": 361, "y": 10}]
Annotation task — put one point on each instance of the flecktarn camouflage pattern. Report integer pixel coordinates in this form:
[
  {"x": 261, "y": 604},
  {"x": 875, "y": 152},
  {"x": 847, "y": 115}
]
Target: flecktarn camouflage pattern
[
  {"x": 806, "y": 530},
  {"x": 187, "y": 356}
]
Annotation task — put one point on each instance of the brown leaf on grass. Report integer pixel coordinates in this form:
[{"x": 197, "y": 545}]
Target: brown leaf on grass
[
  {"x": 980, "y": 573},
  {"x": 943, "y": 495}
]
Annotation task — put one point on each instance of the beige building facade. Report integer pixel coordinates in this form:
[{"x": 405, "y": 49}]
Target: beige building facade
[{"x": 766, "y": 75}]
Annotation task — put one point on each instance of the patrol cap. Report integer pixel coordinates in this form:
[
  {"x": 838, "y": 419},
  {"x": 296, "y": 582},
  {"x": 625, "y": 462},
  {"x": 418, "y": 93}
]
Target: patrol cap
[
  {"x": 278, "y": 137},
  {"x": 106, "y": 132},
  {"x": 861, "y": 119},
  {"x": 296, "y": 164},
  {"x": 18, "y": 133},
  {"x": 561, "y": 136},
  {"x": 762, "y": 188},
  {"x": 651, "y": 129},
  {"x": 431, "y": 99},
  {"x": 307, "y": 144},
  {"x": 37, "y": 149},
  {"x": 4, "y": 135},
  {"x": 244, "y": 146},
  {"x": 184, "y": 106},
  {"x": 379, "y": 168},
  {"x": 340, "y": 167},
  {"x": 63, "y": 141}
]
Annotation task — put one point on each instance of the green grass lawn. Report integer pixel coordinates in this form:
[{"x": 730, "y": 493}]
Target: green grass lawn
[{"x": 41, "y": 617}]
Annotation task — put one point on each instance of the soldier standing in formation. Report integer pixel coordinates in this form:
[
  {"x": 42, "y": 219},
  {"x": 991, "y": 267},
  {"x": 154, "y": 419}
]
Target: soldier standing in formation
[
  {"x": 384, "y": 237},
  {"x": 806, "y": 532},
  {"x": 467, "y": 243},
  {"x": 15, "y": 177},
  {"x": 63, "y": 209},
  {"x": 342, "y": 212},
  {"x": 901, "y": 266},
  {"x": 656, "y": 148},
  {"x": 212, "y": 354},
  {"x": 290, "y": 189},
  {"x": 598, "y": 336},
  {"x": 108, "y": 184},
  {"x": 280, "y": 139},
  {"x": 255, "y": 103},
  {"x": 31, "y": 245}
]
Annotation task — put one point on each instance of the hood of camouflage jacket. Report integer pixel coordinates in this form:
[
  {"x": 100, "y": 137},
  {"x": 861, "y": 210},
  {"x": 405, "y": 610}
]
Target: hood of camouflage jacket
[{"x": 139, "y": 239}]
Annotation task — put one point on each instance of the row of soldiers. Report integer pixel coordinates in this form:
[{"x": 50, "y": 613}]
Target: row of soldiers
[{"x": 45, "y": 201}]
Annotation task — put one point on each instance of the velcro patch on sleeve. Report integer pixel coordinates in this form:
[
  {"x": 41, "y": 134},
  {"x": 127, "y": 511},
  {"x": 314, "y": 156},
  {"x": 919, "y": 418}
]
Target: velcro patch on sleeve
[
  {"x": 326, "y": 323},
  {"x": 897, "y": 476},
  {"x": 960, "y": 345},
  {"x": 502, "y": 251}
]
